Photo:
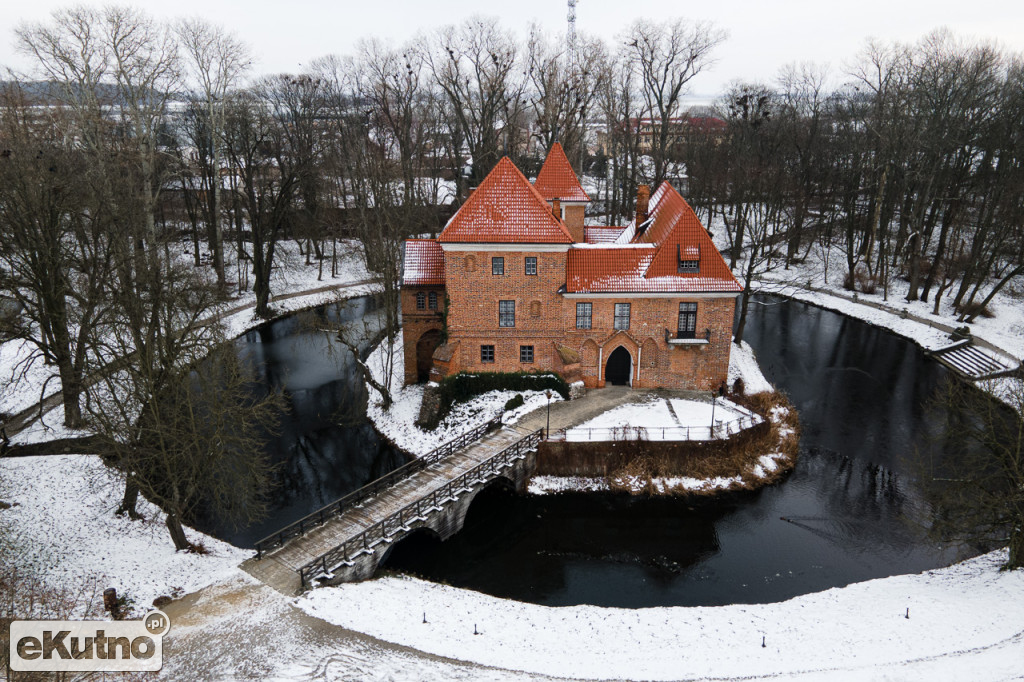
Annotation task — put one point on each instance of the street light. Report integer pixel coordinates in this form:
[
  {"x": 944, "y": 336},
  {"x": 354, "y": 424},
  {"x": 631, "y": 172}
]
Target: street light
[
  {"x": 547, "y": 431},
  {"x": 721, "y": 392}
]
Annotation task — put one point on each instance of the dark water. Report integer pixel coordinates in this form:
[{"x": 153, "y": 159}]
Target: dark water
[
  {"x": 324, "y": 446},
  {"x": 853, "y": 510}
]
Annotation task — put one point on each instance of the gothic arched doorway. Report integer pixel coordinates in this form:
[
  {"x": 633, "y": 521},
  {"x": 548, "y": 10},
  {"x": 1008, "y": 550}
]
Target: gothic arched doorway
[
  {"x": 619, "y": 370},
  {"x": 425, "y": 348}
]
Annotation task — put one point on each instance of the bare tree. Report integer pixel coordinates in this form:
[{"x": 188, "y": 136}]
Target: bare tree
[
  {"x": 476, "y": 66},
  {"x": 978, "y": 494},
  {"x": 175, "y": 410},
  {"x": 216, "y": 62},
  {"x": 667, "y": 57},
  {"x": 54, "y": 252}
]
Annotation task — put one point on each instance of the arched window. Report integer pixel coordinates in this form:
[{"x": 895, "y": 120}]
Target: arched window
[
  {"x": 433, "y": 300},
  {"x": 421, "y": 300}
]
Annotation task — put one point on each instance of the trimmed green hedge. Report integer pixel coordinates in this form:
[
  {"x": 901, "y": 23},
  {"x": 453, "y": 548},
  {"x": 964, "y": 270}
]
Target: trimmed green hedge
[{"x": 463, "y": 386}]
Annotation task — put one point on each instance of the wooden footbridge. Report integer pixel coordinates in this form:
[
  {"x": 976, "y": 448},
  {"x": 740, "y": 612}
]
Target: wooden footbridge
[{"x": 349, "y": 538}]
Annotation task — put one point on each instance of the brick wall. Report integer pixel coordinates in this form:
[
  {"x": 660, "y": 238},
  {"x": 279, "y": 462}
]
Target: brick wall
[
  {"x": 416, "y": 323},
  {"x": 474, "y": 294},
  {"x": 574, "y": 221},
  {"x": 544, "y": 317},
  {"x": 695, "y": 367}
]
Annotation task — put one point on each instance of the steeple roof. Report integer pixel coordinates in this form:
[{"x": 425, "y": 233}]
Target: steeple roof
[{"x": 557, "y": 180}]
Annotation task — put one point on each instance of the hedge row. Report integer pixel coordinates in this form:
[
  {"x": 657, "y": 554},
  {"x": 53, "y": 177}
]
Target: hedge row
[{"x": 462, "y": 386}]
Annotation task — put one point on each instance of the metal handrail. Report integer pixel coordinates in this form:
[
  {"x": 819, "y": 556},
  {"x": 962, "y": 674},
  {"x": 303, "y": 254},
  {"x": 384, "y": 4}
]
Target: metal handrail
[
  {"x": 382, "y": 531},
  {"x": 321, "y": 515}
]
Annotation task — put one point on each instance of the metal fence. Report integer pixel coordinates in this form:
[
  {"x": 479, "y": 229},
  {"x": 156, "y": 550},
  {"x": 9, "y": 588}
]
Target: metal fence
[
  {"x": 655, "y": 433},
  {"x": 326, "y": 512},
  {"x": 433, "y": 501}
]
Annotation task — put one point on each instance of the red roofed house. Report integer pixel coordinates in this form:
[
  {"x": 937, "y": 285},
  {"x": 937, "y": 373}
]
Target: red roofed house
[{"x": 530, "y": 289}]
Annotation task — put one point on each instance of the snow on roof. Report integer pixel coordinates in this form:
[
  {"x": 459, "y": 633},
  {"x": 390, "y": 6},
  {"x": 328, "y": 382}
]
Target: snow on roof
[
  {"x": 505, "y": 208},
  {"x": 424, "y": 263},
  {"x": 671, "y": 232},
  {"x": 557, "y": 180},
  {"x": 601, "y": 235}
]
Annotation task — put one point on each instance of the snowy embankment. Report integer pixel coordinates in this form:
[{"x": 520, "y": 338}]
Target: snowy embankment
[
  {"x": 825, "y": 272},
  {"x": 398, "y": 423},
  {"x": 62, "y": 526},
  {"x": 860, "y": 630},
  {"x": 24, "y": 378}
]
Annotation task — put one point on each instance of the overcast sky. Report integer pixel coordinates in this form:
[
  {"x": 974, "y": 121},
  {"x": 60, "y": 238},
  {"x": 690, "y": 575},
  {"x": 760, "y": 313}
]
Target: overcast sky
[{"x": 763, "y": 34}]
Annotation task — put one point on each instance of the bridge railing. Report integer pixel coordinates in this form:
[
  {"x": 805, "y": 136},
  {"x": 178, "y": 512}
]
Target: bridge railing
[
  {"x": 320, "y": 516},
  {"x": 418, "y": 510}
]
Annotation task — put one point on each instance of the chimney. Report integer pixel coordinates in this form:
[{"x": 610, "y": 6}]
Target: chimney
[
  {"x": 643, "y": 195},
  {"x": 556, "y": 209}
]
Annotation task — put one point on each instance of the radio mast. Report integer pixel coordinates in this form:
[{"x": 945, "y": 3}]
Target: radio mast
[{"x": 571, "y": 33}]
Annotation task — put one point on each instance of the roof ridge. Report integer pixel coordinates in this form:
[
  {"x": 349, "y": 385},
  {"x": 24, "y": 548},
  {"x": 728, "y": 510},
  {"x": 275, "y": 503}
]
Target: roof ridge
[{"x": 505, "y": 172}]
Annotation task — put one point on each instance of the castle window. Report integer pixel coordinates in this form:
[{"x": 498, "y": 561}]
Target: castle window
[
  {"x": 486, "y": 353},
  {"x": 687, "y": 321},
  {"x": 421, "y": 300},
  {"x": 525, "y": 353},
  {"x": 531, "y": 265},
  {"x": 498, "y": 266},
  {"x": 584, "y": 315},
  {"x": 432, "y": 301},
  {"x": 506, "y": 313},
  {"x": 621, "y": 316}
]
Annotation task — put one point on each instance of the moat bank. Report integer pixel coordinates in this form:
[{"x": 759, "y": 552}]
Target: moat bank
[{"x": 852, "y": 508}]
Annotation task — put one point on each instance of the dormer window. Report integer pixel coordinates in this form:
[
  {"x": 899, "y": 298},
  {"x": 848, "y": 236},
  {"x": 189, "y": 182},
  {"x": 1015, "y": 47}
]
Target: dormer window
[{"x": 689, "y": 258}]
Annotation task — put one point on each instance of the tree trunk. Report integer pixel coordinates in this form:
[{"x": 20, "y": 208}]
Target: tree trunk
[
  {"x": 131, "y": 498},
  {"x": 177, "y": 533},
  {"x": 1016, "y": 558}
]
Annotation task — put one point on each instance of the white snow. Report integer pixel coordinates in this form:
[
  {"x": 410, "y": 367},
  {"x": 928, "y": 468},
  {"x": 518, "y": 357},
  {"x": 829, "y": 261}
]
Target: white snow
[
  {"x": 398, "y": 423},
  {"x": 669, "y": 419},
  {"x": 856, "y": 632},
  {"x": 63, "y": 519},
  {"x": 743, "y": 365}
]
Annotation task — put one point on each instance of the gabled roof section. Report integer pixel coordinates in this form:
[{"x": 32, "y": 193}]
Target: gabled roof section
[
  {"x": 679, "y": 233},
  {"x": 646, "y": 257},
  {"x": 424, "y": 263},
  {"x": 557, "y": 180},
  {"x": 505, "y": 209}
]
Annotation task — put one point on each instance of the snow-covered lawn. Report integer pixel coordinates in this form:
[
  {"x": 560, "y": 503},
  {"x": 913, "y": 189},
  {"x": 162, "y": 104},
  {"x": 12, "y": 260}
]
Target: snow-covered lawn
[
  {"x": 398, "y": 422},
  {"x": 64, "y": 526},
  {"x": 860, "y": 630},
  {"x": 665, "y": 419}
]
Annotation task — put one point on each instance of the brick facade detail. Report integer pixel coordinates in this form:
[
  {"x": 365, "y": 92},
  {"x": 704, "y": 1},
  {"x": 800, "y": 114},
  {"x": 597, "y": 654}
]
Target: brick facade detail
[{"x": 540, "y": 299}]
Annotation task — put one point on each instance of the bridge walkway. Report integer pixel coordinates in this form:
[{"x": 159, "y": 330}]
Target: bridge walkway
[{"x": 280, "y": 567}]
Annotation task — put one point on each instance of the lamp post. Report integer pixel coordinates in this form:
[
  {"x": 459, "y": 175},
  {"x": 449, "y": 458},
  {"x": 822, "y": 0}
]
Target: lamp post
[
  {"x": 547, "y": 430},
  {"x": 714, "y": 398}
]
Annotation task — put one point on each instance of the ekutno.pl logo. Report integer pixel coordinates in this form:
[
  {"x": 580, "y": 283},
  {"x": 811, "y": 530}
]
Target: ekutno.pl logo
[{"x": 89, "y": 645}]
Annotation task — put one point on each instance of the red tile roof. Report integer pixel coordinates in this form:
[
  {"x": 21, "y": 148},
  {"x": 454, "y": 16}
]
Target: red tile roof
[
  {"x": 601, "y": 235},
  {"x": 645, "y": 258},
  {"x": 505, "y": 209},
  {"x": 424, "y": 263},
  {"x": 557, "y": 180}
]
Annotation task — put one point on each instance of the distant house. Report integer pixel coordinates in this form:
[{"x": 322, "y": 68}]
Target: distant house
[{"x": 529, "y": 288}]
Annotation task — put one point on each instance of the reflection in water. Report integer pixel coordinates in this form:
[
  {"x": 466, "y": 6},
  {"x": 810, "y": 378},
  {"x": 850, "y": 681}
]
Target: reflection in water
[
  {"x": 324, "y": 446},
  {"x": 849, "y": 511}
]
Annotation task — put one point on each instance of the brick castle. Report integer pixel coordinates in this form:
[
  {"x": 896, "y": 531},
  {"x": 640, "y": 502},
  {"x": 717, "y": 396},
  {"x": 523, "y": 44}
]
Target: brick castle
[{"x": 528, "y": 287}]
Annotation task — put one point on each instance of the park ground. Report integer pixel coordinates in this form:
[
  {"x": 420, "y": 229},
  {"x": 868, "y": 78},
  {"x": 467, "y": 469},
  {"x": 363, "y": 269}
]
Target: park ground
[{"x": 964, "y": 620}]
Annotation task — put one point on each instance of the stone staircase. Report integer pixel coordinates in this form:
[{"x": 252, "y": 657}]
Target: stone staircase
[{"x": 972, "y": 362}]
